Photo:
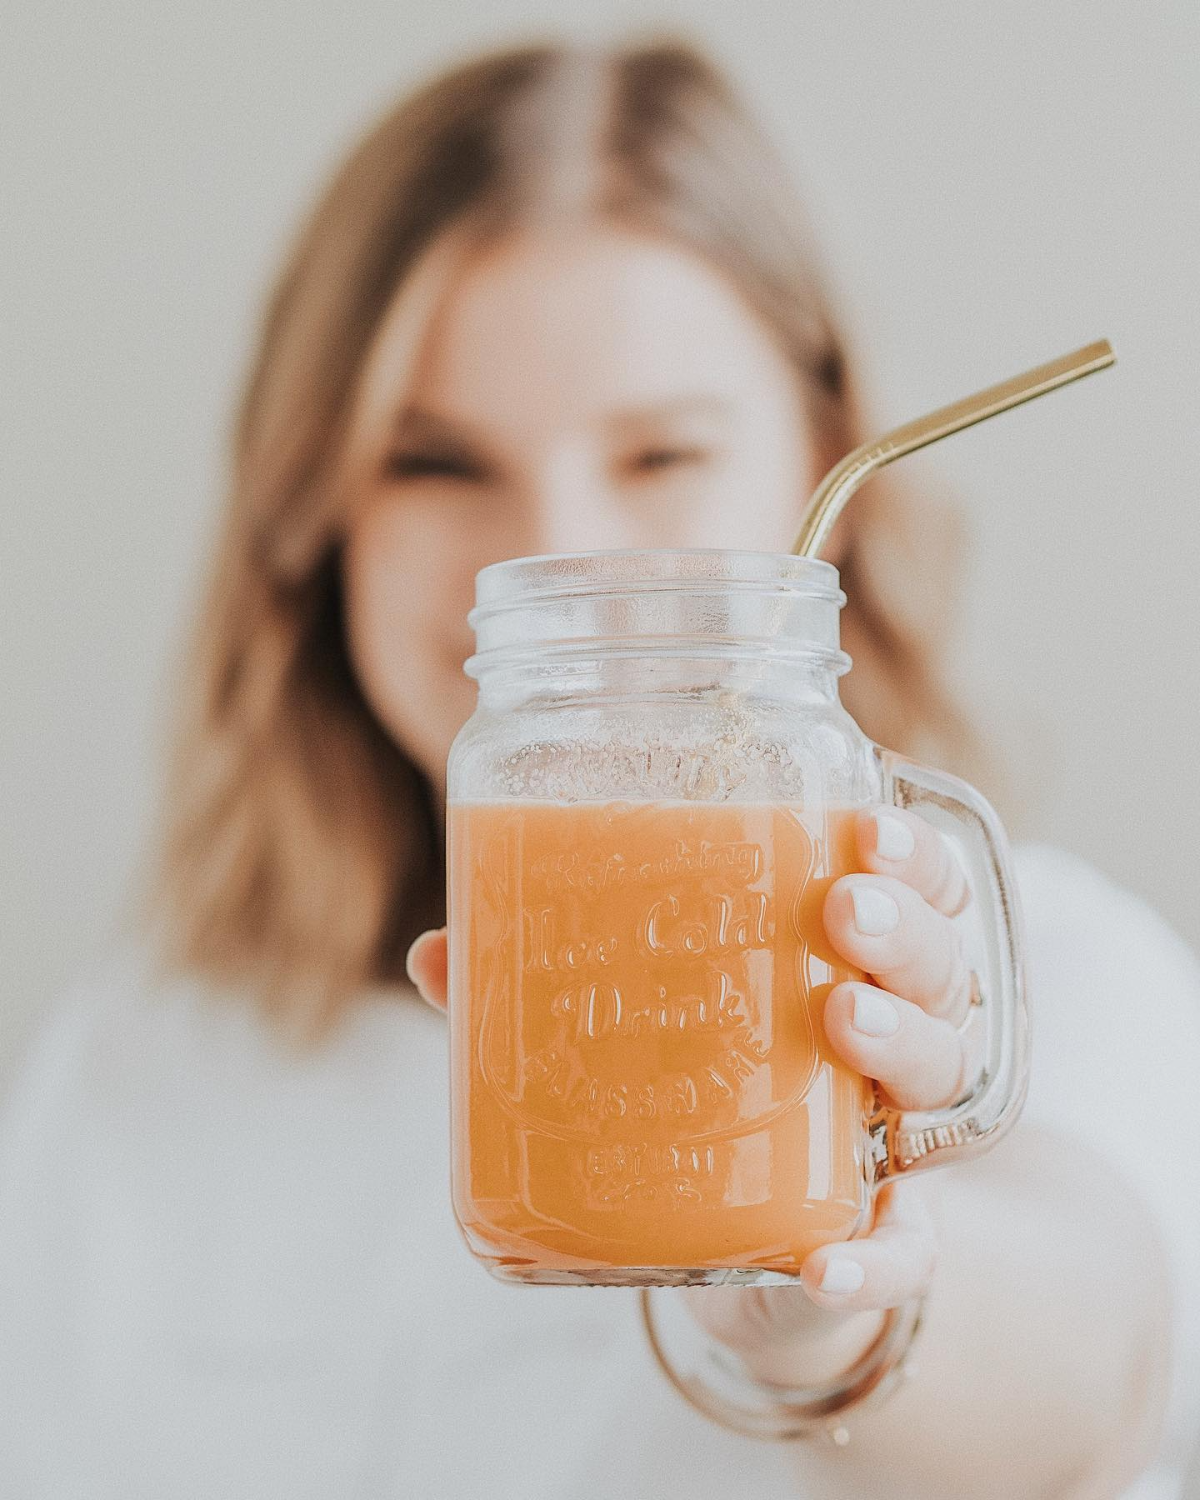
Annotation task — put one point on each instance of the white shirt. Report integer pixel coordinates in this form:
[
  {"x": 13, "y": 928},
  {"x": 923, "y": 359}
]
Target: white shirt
[{"x": 228, "y": 1269}]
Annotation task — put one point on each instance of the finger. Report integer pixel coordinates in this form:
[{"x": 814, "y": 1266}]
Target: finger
[
  {"x": 426, "y": 965},
  {"x": 894, "y": 842},
  {"x": 882, "y": 926},
  {"x": 891, "y": 1265},
  {"x": 919, "y": 1061}
]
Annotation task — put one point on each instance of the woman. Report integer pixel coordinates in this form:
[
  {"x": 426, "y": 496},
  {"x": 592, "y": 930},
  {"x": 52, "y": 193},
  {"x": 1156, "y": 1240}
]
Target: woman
[{"x": 557, "y": 300}]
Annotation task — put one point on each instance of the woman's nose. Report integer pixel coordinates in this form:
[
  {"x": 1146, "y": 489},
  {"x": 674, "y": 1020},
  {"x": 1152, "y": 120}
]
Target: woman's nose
[{"x": 570, "y": 508}]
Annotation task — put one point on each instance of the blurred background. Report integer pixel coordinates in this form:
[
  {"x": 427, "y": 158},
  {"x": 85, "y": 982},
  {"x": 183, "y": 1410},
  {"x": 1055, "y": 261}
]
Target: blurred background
[{"x": 992, "y": 185}]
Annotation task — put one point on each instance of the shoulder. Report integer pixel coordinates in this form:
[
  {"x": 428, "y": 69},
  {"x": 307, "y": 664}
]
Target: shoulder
[
  {"x": 1114, "y": 998},
  {"x": 1113, "y": 989},
  {"x": 1078, "y": 895},
  {"x": 97, "y": 1013},
  {"x": 67, "y": 1101},
  {"x": 1083, "y": 929},
  {"x": 130, "y": 1050},
  {"x": 113, "y": 1020},
  {"x": 109, "y": 1032},
  {"x": 146, "y": 1103}
]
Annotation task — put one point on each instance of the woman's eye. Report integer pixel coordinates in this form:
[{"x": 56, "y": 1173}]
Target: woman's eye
[
  {"x": 431, "y": 465},
  {"x": 655, "y": 460}
]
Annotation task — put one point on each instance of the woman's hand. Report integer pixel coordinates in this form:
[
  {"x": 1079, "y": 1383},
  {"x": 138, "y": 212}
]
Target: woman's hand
[{"x": 900, "y": 1027}]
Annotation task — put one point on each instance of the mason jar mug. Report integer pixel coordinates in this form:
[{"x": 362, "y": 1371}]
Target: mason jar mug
[{"x": 645, "y": 812}]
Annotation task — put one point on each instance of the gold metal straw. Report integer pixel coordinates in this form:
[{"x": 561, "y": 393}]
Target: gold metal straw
[{"x": 856, "y": 468}]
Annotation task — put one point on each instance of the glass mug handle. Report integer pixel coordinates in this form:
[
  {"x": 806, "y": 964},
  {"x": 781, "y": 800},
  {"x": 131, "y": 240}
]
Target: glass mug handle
[{"x": 909, "y": 1141}]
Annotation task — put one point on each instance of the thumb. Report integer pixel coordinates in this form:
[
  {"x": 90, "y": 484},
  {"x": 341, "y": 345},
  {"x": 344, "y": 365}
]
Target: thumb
[{"x": 426, "y": 965}]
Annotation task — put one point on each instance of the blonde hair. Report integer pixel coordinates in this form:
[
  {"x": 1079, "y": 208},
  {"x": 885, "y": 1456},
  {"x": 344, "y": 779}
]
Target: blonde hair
[{"x": 302, "y": 848}]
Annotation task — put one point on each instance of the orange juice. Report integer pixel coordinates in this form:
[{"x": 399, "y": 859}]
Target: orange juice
[{"x": 641, "y": 1077}]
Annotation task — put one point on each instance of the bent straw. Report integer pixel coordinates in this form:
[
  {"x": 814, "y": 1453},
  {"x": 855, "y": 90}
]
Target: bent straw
[{"x": 856, "y": 468}]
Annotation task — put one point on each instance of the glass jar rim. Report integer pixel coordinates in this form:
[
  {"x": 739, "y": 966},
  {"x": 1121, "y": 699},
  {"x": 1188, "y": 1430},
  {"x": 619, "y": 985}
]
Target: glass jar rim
[
  {"x": 569, "y": 611},
  {"x": 501, "y": 585}
]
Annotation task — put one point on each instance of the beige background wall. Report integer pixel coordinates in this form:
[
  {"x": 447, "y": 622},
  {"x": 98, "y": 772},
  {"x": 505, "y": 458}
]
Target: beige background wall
[{"x": 995, "y": 185}]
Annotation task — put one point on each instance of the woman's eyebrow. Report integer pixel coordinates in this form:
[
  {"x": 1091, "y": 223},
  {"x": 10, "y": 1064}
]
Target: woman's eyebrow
[
  {"x": 716, "y": 408},
  {"x": 418, "y": 422}
]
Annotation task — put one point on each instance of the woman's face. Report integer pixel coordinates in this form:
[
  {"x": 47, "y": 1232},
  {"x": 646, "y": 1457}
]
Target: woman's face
[{"x": 575, "y": 390}]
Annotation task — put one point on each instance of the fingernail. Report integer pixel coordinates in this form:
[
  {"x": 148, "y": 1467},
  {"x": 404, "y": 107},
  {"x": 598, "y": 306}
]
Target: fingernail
[
  {"x": 408, "y": 961},
  {"x": 873, "y": 1014},
  {"x": 842, "y": 1275},
  {"x": 875, "y": 913},
  {"x": 893, "y": 837}
]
